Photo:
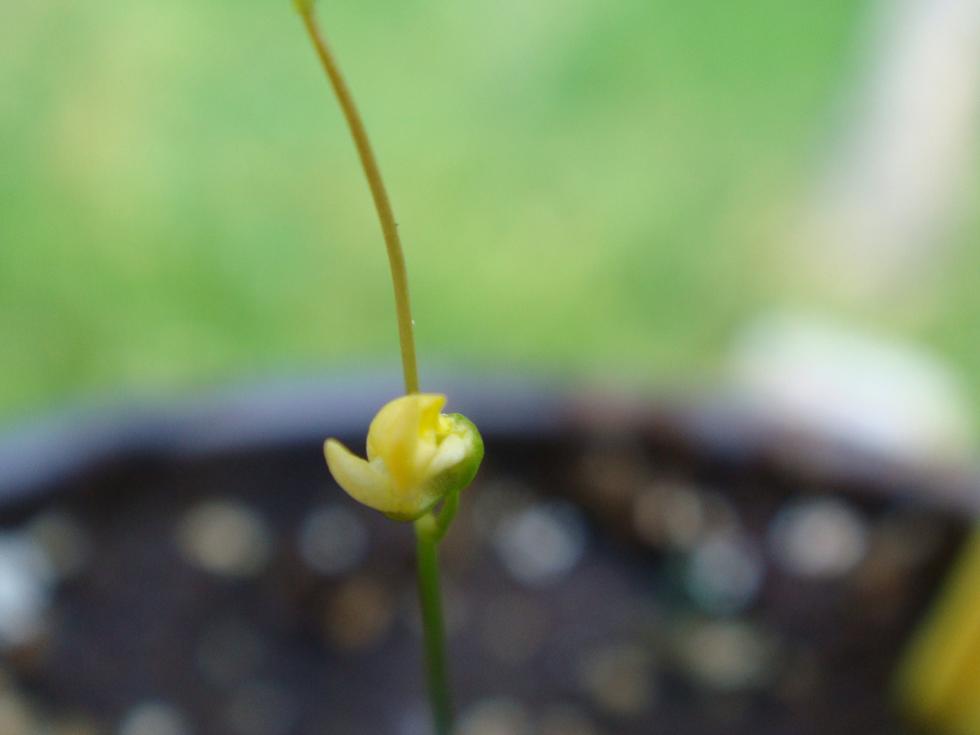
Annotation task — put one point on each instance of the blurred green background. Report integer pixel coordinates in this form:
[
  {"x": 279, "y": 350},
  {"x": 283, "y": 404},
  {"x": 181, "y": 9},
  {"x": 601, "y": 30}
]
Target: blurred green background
[{"x": 584, "y": 187}]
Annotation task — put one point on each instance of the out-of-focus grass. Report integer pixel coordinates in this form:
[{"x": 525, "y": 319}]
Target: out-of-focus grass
[{"x": 582, "y": 185}]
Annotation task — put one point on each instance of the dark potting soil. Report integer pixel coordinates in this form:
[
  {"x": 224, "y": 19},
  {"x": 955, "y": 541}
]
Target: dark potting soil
[{"x": 592, "y": 586}]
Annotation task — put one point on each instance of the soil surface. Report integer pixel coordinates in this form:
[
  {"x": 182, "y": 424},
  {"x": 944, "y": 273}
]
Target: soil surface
[{"x": 593, "y": 586}]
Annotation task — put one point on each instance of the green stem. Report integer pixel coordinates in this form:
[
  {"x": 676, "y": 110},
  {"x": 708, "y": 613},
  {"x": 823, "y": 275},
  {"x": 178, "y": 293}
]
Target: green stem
[
  {"x": 389, "y": 228},
  {"x": 446, "y": 514},
  {"x": 428, "y": 530},
  {"x": 432, "y": 627}
]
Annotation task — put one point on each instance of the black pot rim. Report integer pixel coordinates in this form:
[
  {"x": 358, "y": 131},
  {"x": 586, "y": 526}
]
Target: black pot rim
[{"x": 47, "y": 452}]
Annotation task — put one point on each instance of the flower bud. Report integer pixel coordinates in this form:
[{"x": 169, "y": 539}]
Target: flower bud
[{"x": 416, "y": 456}]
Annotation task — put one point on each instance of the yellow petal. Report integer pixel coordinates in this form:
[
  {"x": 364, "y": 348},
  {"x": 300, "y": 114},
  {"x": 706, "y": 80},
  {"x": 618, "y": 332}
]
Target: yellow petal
[
  {"x": 430, "y": 408},
  {"x": 403, "y": 435},
  {"x": 361, "y": 480},
  {"x": 450, "y": 453}
]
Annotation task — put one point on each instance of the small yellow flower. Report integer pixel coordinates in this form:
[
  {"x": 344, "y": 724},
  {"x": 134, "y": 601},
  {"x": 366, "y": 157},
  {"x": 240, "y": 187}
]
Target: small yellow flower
[{"x": 416, "y": 456}]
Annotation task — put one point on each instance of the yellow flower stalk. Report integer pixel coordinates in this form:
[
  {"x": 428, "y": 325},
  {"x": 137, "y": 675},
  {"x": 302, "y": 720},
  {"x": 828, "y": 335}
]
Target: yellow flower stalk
[{"x": 416, "y": 457}]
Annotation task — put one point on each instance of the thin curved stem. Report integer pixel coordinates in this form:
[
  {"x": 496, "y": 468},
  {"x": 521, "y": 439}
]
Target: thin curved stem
[
  {"x": 446, "y": 514},
  {"x": 389, "y": 228}
]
